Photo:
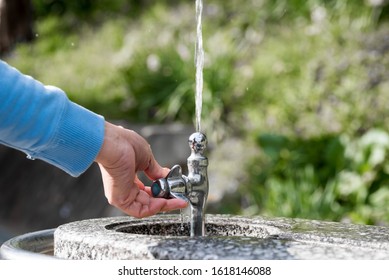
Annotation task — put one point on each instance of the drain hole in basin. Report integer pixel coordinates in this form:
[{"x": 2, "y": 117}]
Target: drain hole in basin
[{"x": 178, "y": 229}]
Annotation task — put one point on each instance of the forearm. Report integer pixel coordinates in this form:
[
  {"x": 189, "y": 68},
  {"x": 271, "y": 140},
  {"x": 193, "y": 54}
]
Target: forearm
[{"x": 43, "y": 123}]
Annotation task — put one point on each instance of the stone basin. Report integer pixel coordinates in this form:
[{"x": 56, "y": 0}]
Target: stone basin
[{"x": 227, "y": 237}]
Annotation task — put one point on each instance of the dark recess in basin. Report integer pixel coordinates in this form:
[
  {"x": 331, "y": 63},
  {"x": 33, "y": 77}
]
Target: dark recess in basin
[{"x": 178, "y": 229}]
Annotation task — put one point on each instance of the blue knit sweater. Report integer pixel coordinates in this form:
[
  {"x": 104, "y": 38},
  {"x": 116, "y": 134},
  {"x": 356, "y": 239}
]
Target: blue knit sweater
[{"x": 42, "y": 122}]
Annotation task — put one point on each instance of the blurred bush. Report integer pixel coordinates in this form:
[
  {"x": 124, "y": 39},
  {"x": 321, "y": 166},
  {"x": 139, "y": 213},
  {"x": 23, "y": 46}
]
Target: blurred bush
[
  {"x": 305, "y": 81},
  {"x": 328, "y": 177}
]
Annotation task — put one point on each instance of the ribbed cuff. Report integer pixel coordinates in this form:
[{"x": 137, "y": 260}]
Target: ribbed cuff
[{"x": 77, "y": 140}]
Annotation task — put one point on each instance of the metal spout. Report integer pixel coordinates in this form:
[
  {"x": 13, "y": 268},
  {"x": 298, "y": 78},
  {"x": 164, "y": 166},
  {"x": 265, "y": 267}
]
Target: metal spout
[{"x": 193, "y": 187}]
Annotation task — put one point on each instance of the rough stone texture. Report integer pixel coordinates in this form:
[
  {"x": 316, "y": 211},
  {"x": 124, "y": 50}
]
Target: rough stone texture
[{"x": 228, "y": 237}]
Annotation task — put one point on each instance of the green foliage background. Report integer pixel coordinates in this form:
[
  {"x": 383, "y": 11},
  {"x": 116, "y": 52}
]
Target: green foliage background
[{"x": 306, "y": 82}]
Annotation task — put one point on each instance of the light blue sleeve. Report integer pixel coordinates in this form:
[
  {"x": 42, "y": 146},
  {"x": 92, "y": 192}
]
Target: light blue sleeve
[{"x": 42, "y": 122}]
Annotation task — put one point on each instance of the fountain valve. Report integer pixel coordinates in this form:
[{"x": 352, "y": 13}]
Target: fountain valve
[{"x": 193, "y": 188}]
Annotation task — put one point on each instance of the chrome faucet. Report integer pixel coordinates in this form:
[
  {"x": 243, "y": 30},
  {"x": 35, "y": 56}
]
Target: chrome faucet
[{"x": 193, "y": 187}]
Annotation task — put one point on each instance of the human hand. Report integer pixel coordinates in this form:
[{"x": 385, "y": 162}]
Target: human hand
[{"x": 124, "y": 152}]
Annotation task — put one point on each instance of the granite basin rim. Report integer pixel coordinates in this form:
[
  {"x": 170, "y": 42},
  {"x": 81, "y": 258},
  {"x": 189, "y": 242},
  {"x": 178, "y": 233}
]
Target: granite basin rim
[
  {"x": 130, "y": 238},
  {"x": 228, "y": 237},
  {"x": 280, "y": 238}
]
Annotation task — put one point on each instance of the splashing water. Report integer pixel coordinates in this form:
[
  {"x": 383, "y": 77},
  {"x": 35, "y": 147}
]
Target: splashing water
[
  {"x": 199, "y": 61},
  {"x": 182, "y": 220}
]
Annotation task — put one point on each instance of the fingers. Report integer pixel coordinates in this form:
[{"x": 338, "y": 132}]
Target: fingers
[
  {"x": 155, "y": 171},
  {"x": 144, "y": 205},
  {"x": 123, "y": 154},
  {"x": 148, "y": 191},
  {"x": 144, "y": 158},
  {"x": 166, "y": 205},
  {"x": 139, "y": 183}
]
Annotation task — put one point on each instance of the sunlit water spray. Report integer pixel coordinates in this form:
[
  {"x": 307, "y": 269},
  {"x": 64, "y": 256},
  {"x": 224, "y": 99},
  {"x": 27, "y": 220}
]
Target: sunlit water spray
[{"x": 199, "y": 61}]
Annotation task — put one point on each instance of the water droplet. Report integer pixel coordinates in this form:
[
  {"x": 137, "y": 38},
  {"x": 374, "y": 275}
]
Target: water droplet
[{"x": 30, "y": 157}]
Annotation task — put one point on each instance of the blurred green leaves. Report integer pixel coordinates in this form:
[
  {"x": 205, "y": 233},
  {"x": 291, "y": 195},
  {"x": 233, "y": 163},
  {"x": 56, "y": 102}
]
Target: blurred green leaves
[
  {"x": 327, "y": 177},
  {"x": 307, "y": 81}
]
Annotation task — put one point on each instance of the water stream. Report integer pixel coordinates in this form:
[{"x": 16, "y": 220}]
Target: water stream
[
  {"x": 199, "y": 61},
  {"x": 182, "y": 220}
]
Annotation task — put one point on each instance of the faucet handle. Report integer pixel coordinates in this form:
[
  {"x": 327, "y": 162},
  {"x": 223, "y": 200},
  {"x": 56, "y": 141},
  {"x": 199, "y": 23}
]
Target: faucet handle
[
  {"x": 174, "y": 185},
  {"x": 175, "y": 172}
]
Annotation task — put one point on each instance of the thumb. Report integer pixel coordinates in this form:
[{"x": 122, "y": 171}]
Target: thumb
[{"x": 155, "y": 171}]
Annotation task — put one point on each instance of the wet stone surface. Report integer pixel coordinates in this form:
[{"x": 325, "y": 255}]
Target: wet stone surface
[{"x": 228, "y": 237}]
